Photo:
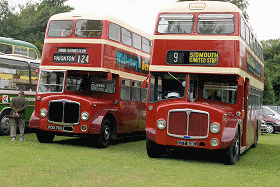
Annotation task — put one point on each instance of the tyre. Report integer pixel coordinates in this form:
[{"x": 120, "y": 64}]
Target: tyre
[
  {"x": 256, "y": 138},
  {"x": 45, "y": 137},
  {"x": 233, "y": 151},
  {"x": 270, "y": 129},
  {"x": 5, "y": 123},
  {"x": 103, "y": 139},
  {"x": 154, "y": 150}
]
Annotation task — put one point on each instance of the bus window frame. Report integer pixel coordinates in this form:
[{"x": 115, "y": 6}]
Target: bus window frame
[
  {"x": 170, "y": 15},
  {"x": 91, "y": 32},
  {"x": 224, "y": 18},
  {"x": 62, "y": 31},
  {"x": 39, "y": 81}
]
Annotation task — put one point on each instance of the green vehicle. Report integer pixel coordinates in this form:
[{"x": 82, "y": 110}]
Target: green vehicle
[
  {"x": 18, "y": 47},
  {"x": 16, "y": 74}
]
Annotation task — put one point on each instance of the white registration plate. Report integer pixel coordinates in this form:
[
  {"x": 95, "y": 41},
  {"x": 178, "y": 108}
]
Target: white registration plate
[{"x": 187, "y": 143}]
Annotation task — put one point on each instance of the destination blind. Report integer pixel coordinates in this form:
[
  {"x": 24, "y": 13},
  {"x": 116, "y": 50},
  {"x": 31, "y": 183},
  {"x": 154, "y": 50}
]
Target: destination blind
[{"x": 192, "y": 57}]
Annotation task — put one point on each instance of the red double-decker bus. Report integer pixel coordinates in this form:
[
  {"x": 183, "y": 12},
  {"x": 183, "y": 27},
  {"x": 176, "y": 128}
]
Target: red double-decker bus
[
  {"x": 90, "y": 75},
  {"x": 206, "y": 80}
]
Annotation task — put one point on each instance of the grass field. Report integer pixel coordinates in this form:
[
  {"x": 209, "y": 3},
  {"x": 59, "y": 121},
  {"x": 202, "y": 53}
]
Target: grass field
[{"x": 70, "y": 162}]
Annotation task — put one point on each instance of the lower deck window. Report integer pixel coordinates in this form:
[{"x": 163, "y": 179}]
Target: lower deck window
[
  {"x": 164, "y": 86},
  {"x": 224, "y": 92},
  {"x": 95, "y": 84}
]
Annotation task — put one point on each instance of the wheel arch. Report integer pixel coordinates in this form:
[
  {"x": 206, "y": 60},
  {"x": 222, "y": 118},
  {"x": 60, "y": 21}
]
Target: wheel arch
[
  {"x": 98, "y": 119},
  {"x": 5, "y": 109}
]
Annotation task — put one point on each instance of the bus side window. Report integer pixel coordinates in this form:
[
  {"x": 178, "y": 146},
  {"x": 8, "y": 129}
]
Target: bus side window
[
  {"x": 136, "y": 41},
  {"x": 115, "y": 32},
  {"x": 135, "y": 91},
  {"x": 144, "y": 94},
  {"x": 6, "y": 49},
  {"x": 125, "y": 90},
  {"x": 14, "y": 75}
]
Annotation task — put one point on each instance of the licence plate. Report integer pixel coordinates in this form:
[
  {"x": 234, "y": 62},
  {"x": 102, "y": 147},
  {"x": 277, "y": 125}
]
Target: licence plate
[
  {"x": 187, "y": 143},
  {"x": 54, "y": 127}
]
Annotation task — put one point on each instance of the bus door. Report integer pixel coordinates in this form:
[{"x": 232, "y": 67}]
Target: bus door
[
  {"x": 128, "y": 109},
  {"x": 246, "y": 110}
]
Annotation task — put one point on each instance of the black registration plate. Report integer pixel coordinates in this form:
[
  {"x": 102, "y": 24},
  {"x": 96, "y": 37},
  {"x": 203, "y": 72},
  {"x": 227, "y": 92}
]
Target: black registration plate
[
  {"x": 54, "y": 127},
  {"x": 187, "y": 143}
]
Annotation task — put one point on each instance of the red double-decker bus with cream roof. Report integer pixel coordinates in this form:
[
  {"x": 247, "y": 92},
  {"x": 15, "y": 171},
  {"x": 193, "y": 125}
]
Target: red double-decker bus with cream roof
[
  {"x": 206, "y": 80},
  {"x": 90, "y": 75}
]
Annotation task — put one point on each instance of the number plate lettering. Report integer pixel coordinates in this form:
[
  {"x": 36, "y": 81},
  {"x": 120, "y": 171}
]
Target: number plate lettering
[
  {"x": 54, "y": 127},
  {"x": 187, "y": 143}
]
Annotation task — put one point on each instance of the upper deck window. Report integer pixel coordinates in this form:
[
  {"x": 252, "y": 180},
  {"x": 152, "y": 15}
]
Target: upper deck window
[
  {"x": 136, "y": 41},
  {"x": 126, "y": 37},
  {"x": 63, "y": 28},
  {"x": 146, "y": 45},
  {"x": 115, "y": 32},
  {"x": 20, "y": 50},
  {"x": 88, "y": 28},
  {"x": 215, "y": 24},
  {"x": 175, "y": 23},
  {"x": 32, "y": 53},
  {"x": 7, "y": 49}
]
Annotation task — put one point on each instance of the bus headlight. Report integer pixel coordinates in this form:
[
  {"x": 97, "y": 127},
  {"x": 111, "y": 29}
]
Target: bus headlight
[
  {"x": 84, "y": 116},
  {"x": 215, "y": 128},
  {"x": 43, "y": 112},
  {"x": 161, "y": 124},
  {"x": 214, "y": 142}
]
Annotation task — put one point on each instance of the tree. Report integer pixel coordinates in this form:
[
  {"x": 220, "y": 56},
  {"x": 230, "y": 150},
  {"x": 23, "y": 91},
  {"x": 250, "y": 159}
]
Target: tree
[
  {"x": 271, "y": 51},
  {"x": 242, "y": 4},
  {"x": 29, "y": 24}
]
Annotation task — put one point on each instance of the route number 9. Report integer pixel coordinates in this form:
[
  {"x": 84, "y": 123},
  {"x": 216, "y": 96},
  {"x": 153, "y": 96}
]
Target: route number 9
[{"x": 176, "y": 57}]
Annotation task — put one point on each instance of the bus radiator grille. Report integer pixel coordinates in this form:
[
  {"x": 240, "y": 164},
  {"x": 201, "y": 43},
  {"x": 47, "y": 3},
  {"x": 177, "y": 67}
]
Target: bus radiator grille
[
  {"x": 194, "y": 124},
  {"x": 64, "y": 112}
]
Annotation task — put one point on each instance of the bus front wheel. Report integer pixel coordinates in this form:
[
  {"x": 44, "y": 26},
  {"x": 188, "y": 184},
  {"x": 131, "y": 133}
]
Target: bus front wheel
[
  {"x": 5, "y": 123},
  {"x": 233, "y": 151},
  {"x": 103, "y": 139},
  {"x": 154, "y": 150},
  {"x": 45, "y": 137}
]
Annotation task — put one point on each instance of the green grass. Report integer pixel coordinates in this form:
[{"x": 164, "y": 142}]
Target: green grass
[{"x": 70, "y": 162}]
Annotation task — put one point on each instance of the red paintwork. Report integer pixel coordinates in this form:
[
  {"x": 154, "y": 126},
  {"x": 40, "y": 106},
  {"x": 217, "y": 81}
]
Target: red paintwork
[
  {"x": 233, "y": 54},
  {"x": 129, "y": 116}
]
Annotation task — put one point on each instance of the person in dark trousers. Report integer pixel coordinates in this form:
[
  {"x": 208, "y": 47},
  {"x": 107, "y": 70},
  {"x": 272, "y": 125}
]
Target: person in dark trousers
[{"x": 18, "y": 106}]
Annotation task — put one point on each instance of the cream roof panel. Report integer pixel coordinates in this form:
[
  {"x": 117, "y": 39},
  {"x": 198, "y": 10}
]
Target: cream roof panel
[
  {"x": 98, "y": 16},
  {"x": 201, "y": 6}
]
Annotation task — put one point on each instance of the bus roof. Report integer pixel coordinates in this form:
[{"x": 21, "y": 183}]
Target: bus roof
[
  {"x": 97, "y": 16},
  {"x": 201, "y": 6},
  {"x": 18, "y": 43}
]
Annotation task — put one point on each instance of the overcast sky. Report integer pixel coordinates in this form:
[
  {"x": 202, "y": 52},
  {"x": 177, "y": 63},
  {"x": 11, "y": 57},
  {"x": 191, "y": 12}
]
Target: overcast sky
[{"x": 142, "y": 14}]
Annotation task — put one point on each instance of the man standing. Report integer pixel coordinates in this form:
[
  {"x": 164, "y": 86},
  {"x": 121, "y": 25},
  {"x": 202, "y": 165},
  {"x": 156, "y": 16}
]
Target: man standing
[{"x": 18, "y": 106}]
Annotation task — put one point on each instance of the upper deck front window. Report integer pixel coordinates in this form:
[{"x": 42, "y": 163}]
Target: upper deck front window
[
  {"x": 88, "y": 28},
  {"x": 175, "y": 23},
  {"x": 215, "y": 24},
  {"x": 60, "y": 28}
]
